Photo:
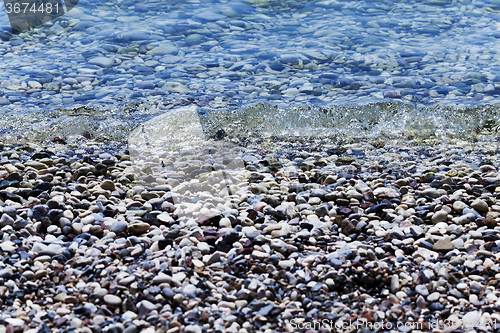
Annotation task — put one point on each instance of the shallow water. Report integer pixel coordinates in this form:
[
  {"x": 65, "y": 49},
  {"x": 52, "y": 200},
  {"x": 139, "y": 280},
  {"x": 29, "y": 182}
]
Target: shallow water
[{"x": 335, "y": 68}]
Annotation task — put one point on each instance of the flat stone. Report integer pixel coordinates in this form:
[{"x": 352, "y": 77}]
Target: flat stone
[
  {"x": 203, "y": 247},
  {"x": 50, "y": 249},
  {"x": 193, "y": 329},
  {"x": 100, "y": 292},
  {"x": 209, "y": 16},
  {"x": 35, "y": 165},
  {"x": 433, "y": 297},
  {"x": 34, "y": 85},
  {"x": 162, "y": 278},
  {"x": 471, "y": 319},
  {"x": 112, "y": 300},
  {"x": 443, "y": 245},
  {"x": 421, "y": 303},
  {"x": 164, "y": 48},
  {"x": 478, "y": 287},
  {"x": 178, "y": 277},
  {"x": 454, "y": 292},
  {"x": 416, "y": 231},
  {"x": 431, "y": 192},
  {"x": 138, "y": 228},
  {"x": 145, "y": 306},
  {"x": 102, "y": 62},
  {"x": 171, "y": 59},
  {"x": 40, "y": 273},
  {"x": 458, "y": 243},
  {"x": 175, "y": 87},
  {"x": 251, "y": 232},
  {"x": 16, "y": 322},
  {"x": 89, "y": 219},
  {"x": 286, "y": 264},
  {"x": 126, "y": 281},
  {"x": 422, "y": 290},
  {"x": 215, "y": 257},
  {"x": 264, "y": 311},
  {"x": 260, "y": 255},
  {"x": 165, "y": 217}
]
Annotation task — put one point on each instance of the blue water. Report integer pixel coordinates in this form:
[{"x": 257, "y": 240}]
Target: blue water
[{"x": 130, "y": 60}]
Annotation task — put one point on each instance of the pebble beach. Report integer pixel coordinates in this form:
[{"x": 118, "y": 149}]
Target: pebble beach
[
  {"x": 366, "y": 232},
  {"x": 251, "y": 166}
]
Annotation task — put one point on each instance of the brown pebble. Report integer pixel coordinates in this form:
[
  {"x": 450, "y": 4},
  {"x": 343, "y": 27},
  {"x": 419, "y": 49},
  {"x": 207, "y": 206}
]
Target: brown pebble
[
  {"x": 347, "y": 227},
  {"x": 97, "y": 231},
  {"x": 138, "y": 228},
  {"x": 490, "y": 222},
  {"x": 87, "y": 135},
  {"x": 59, "y": 140}
]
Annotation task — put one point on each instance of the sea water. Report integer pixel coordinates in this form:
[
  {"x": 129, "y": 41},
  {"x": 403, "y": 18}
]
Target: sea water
[{"x": 365, "y": 69}]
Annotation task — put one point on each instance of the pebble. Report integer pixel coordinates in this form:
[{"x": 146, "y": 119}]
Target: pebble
[
  {"x": 443, "y": 245},
  {"x": 193, "y": 329},
  {"x": 421, "y": 303},
  {"x": 112, "y": 300},
  {"x": 34, "y": 84},
  {"x": 118, "y": 226},
  {"x": 439, "y": 216},
  {"x": 459, "y": 206},
  {"x": 204, "y": 247},
  {"x": 138, "y": 228},
  {"x": 471, "y": 319},
  {"x": 422, "y": 290},
  {"x": 190, "y": 291},
  {"x": 433, "y": 297},
  {"x": 102, "y": 62},
  {"x": 145, "y": 306},
  {"x": 108, "y": 185},
  {"x": 395, "y": 283},
  {"x": 480, "y": 206}
]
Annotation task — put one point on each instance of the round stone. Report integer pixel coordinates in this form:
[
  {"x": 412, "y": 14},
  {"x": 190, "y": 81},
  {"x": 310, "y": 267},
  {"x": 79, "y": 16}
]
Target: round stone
[
  {"x": 480, "y": 206},
  {"x": 439, "y": 216},
  {"x": 190, "y": 291},
  {"x": 112, "y": 300},
  {"x": 108, "y": 185},
  {"x": 119, "y": 226},
  {"x": 459, "y": 206},
  {"x": 433, "y": 297}
]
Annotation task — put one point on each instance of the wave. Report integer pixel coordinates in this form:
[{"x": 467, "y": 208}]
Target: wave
[
  {"x": 260, "y": 121},
  {"x": 370, "y": 121}
]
